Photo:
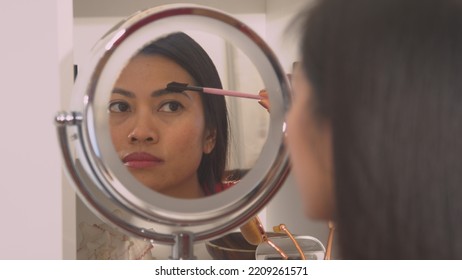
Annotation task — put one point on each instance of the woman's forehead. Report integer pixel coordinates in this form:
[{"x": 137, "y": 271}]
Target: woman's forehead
[{"x": 152, "y": 72}]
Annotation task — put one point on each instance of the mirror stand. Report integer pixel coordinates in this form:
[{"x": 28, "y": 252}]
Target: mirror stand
[{"x": 182, "y": 249}]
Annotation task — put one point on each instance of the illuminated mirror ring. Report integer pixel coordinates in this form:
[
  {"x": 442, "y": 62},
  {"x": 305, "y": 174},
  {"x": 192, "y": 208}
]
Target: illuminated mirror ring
[{"x": 103, "y": 181}]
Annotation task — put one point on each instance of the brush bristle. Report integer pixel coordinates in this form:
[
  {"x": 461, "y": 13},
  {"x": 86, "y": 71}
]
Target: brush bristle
[{"x": 176, "y": 87}]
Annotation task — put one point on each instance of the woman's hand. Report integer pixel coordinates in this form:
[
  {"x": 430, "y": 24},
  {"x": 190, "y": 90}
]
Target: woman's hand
[{"x": 264, "y": 101}]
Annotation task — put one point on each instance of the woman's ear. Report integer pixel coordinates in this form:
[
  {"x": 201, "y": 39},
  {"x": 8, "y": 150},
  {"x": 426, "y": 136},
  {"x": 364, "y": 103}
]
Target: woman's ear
[{"x": 210, "y": 138}]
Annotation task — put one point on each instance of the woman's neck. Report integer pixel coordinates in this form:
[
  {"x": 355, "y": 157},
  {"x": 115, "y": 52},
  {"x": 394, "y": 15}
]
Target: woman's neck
[{"x": 186, "y": 191}]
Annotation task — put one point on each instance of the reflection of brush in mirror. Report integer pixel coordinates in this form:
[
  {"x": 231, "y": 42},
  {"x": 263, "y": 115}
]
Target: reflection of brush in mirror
[{"x": 180, "y": 87}]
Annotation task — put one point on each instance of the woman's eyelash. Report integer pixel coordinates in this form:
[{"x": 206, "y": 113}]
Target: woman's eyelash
[
  {"x": 167, "y": 106},
  {"x": 119, "y": 107},
  {"x": 171, "y": 106}
]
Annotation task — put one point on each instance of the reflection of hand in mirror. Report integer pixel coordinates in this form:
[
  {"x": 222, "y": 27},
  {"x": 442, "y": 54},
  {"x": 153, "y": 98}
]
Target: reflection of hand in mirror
[
  {"x": 172, "y": 142},
  {"x": 296, "y": 78},
  {"x": 264, "y": 101}
]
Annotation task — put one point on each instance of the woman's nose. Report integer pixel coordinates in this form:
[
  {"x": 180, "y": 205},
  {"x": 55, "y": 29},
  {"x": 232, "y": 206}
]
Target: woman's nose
[
  {"x": 136, "y": 138},
  {"x": 143, "y": 132}
]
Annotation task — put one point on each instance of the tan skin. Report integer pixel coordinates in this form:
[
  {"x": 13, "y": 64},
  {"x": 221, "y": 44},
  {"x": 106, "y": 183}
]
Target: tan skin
[
  {"x": 309, "y": 141},
  {"x": 310, "y": 146},
  {"x": 160, "y": 136}
]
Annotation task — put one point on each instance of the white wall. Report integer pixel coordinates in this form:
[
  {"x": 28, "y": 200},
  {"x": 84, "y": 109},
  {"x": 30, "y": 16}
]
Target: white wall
[
  {"x": 123, "y": 8},
  {"x": 35, "y": 55}
]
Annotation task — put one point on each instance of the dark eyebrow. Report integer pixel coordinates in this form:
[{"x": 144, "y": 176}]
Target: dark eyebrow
[
  {"x": 123, "y": 92},
  {"x": 155, "y": 93},
  {"x": 164, "y": 91}
]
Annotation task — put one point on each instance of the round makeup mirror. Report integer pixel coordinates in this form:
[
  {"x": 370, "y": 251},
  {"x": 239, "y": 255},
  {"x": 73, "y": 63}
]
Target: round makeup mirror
[{"x": 103, "y": 181}]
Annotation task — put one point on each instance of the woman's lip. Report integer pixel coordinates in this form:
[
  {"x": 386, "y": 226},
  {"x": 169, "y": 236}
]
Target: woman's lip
[{"x": 141, "y": 160}]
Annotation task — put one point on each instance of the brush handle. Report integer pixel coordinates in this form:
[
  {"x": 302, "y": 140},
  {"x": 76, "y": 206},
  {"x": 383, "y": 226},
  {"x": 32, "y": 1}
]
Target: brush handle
[{"x": 230, "y": 93}]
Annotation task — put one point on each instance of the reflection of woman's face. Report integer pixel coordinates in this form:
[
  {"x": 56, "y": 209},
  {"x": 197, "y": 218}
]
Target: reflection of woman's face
[{"x": 159, "y": 135}]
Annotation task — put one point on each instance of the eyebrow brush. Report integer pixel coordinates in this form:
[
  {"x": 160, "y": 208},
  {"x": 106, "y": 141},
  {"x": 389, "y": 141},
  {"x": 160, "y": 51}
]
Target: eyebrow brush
[{"x": 180, "y": 87}]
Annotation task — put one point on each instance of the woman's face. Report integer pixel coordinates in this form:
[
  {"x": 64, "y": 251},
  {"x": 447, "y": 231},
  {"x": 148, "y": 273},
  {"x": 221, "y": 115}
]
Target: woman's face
[
  {"x": 159, "y": 135},
  {"x": 310, "y": 148}
]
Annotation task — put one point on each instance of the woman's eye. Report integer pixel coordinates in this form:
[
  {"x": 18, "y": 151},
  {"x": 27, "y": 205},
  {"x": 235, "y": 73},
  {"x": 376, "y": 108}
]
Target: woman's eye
[
  {"x": 119, "y": 107},
  {"x": 171, "y": 107}
]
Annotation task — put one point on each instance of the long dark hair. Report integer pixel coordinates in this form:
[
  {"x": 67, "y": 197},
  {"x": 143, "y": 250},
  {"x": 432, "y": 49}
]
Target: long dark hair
[
  {"x": 187, "y": 53},
  {"x": 387, "y": 74}
]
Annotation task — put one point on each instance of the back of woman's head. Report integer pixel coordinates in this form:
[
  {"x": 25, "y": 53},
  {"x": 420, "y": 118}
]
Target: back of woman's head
[
  {"x": 387, "y": 74},
  {"x": 187, "y": 53}
]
